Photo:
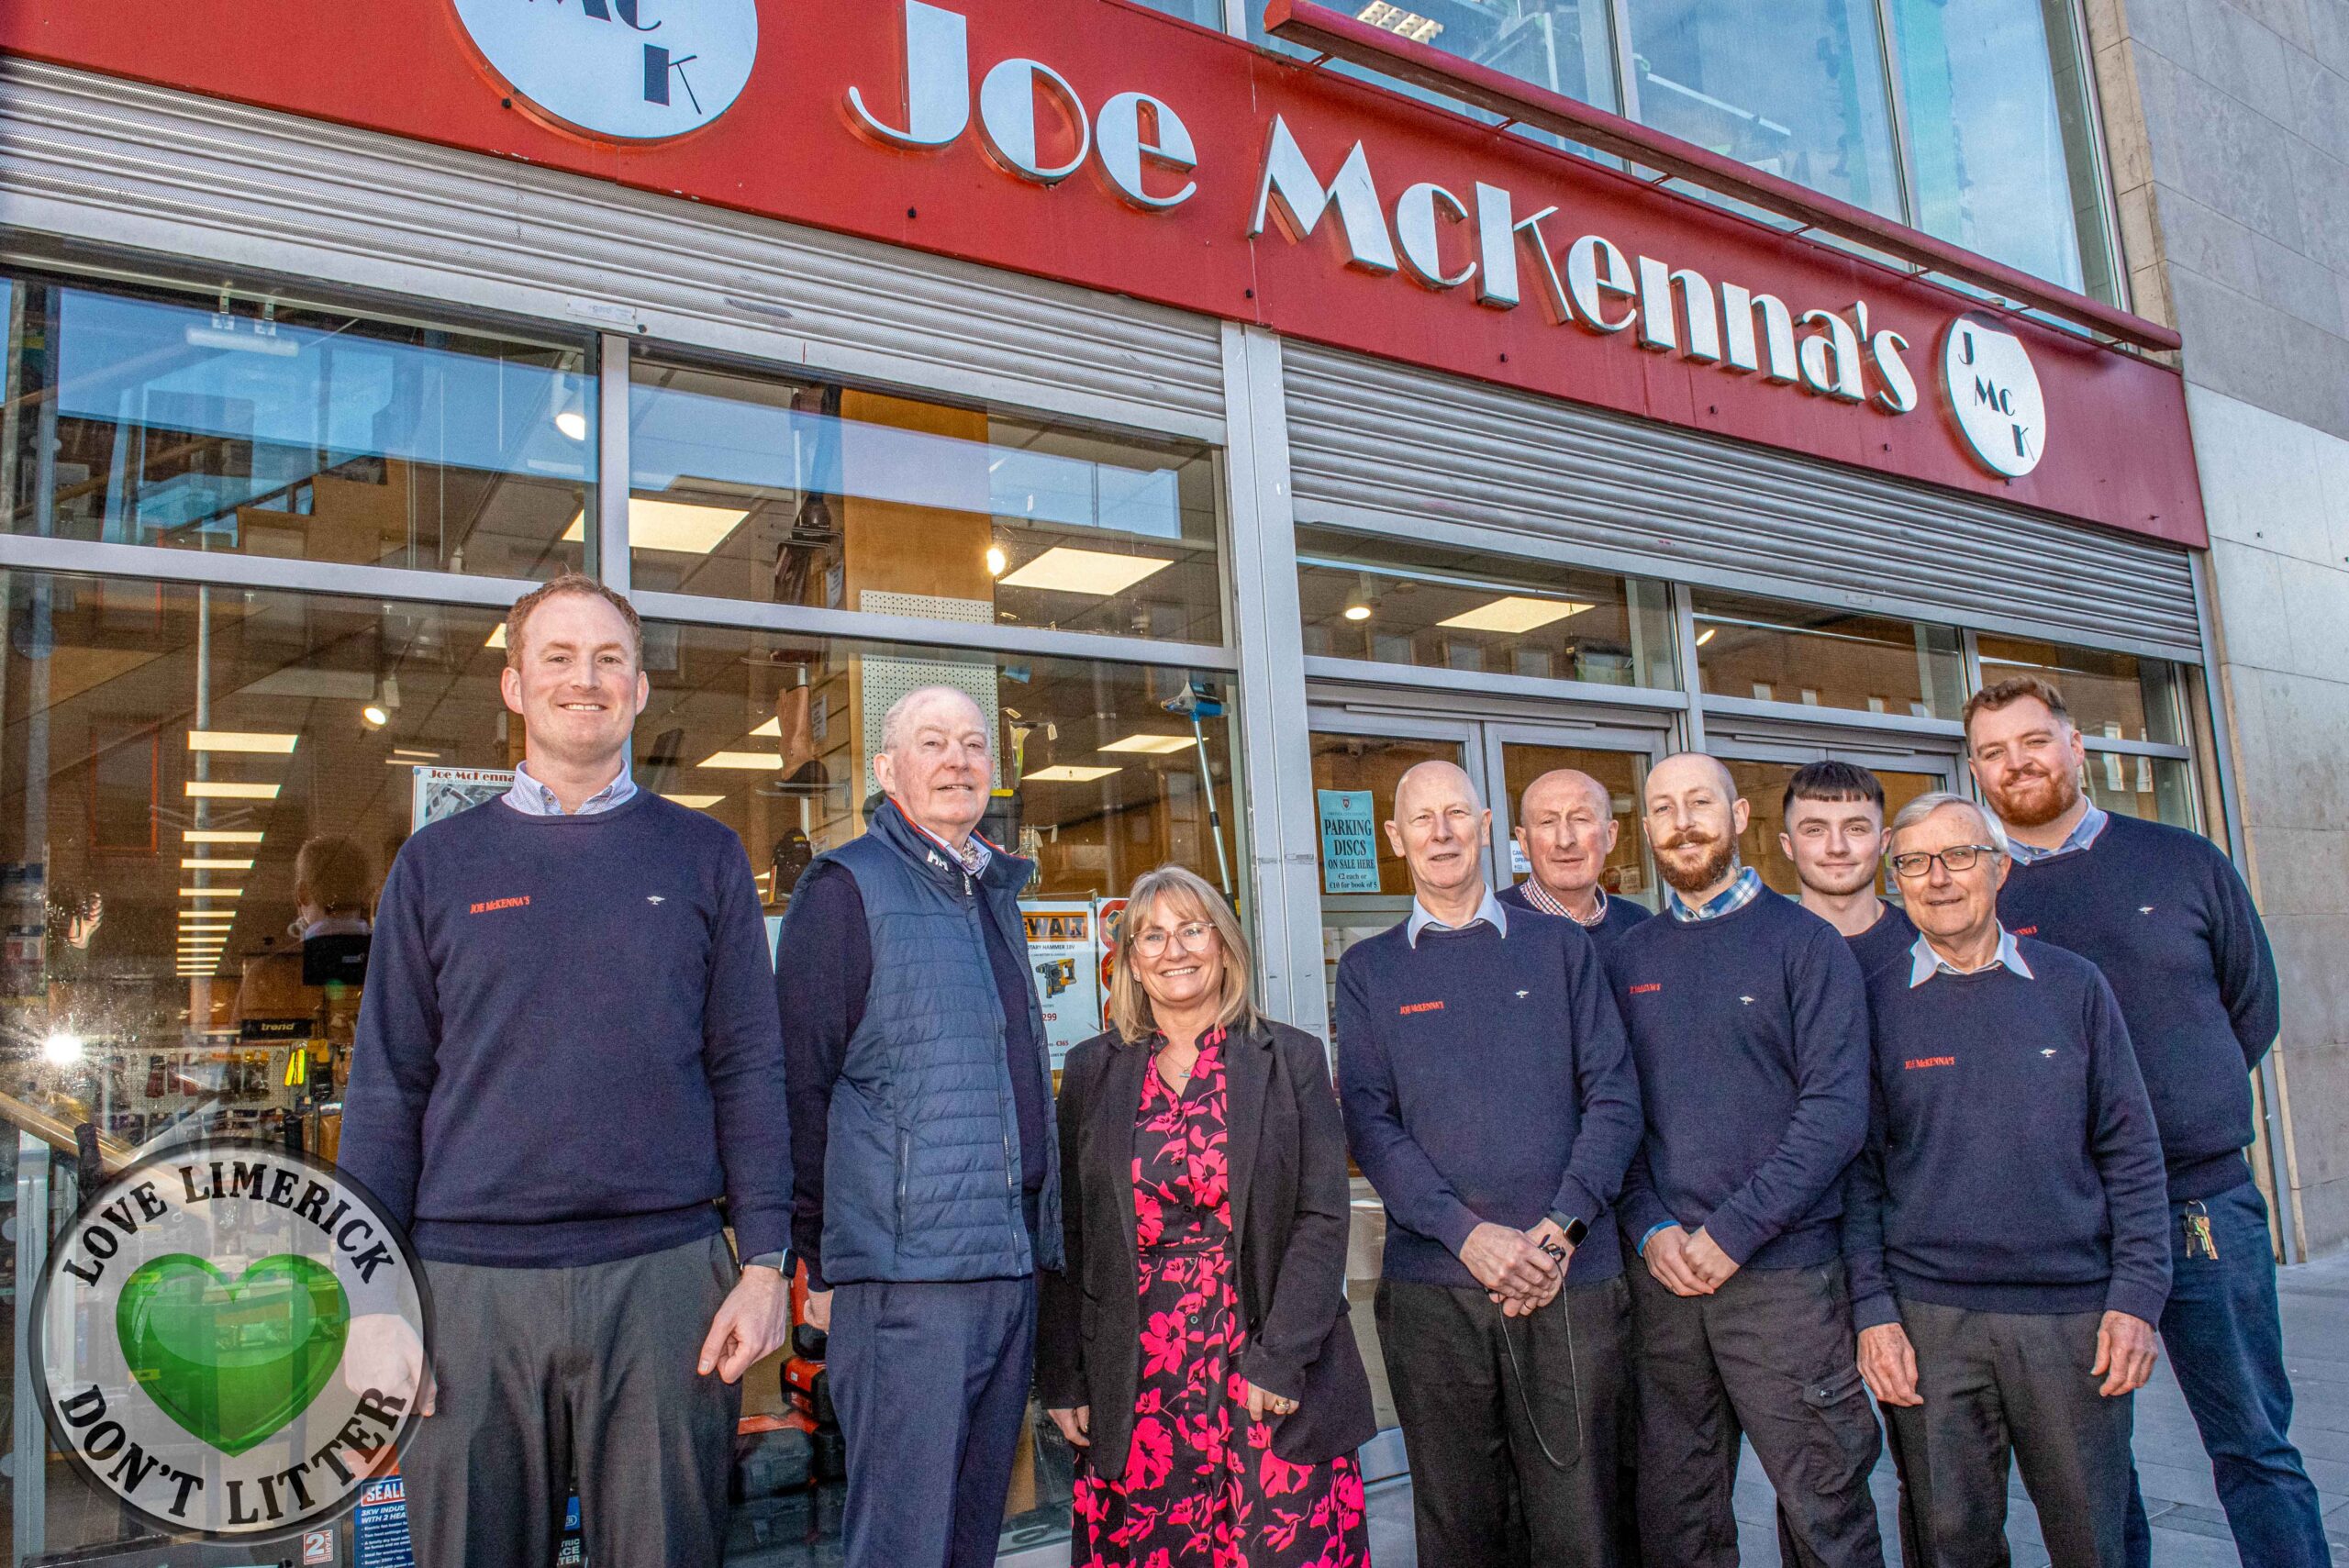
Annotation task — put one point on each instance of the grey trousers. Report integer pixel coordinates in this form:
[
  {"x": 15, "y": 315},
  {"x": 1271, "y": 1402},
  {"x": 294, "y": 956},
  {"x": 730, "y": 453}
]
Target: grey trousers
[
  {"x": 544, "y": 1373},
  {"x": 1770, "y": 1356},
  {"x": 1999, "y": 1384},
  {"x": 931, "y": 1381},
  {"x": 1484, "y": 1494}
]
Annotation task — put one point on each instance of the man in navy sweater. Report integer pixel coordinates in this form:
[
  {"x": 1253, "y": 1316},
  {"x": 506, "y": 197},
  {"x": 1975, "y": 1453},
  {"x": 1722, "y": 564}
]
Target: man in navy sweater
[
  {"x": 539, "y": 961},
  {"x": 1748, "y": 1022},
  {"x": 2005, "y": 1228},
  {"x": 1490, "y": 1099},
  {"x": 1833, "y": 814},
  {"x": 928, "y": 1190},
  {"x": 1565, "y": 825},
  {"x": 2162, "y": 912}
]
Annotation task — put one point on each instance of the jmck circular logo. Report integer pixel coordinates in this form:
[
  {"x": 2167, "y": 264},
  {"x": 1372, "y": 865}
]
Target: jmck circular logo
[
  {"x": 1994, "y": 394},
  {"x": 195, "y": 1327},
  {"x": 628, "y": 70}
]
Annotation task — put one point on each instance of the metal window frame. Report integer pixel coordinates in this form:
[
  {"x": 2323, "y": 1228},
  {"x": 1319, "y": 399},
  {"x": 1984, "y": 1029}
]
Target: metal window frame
[{"x": 1274, "y": 749}]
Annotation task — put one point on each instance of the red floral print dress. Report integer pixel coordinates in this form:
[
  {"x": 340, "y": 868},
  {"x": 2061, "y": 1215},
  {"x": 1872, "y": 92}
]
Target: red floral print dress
[{"x": 1202, "y": 1485}]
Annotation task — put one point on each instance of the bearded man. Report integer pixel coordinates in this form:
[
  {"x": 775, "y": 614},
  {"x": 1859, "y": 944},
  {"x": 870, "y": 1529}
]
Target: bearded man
[
  {"x": 1748, "y": 1022},
  {"x": 2162, "y": 912}
]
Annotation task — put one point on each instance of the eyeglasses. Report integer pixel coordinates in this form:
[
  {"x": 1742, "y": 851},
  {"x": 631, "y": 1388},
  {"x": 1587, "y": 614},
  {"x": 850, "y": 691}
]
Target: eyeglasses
[
  {"x": 1956, "y": 858},
  {"x": 1195, "y": 936}
]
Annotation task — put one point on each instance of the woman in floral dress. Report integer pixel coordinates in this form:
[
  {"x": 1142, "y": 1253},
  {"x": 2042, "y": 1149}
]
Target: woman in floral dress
[{"x": 1196, "y": 1351}]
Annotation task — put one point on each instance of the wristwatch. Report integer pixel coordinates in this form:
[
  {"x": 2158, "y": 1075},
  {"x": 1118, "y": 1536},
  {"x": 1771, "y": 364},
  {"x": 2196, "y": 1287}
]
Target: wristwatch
[{"x": 1575, "y": 1230}]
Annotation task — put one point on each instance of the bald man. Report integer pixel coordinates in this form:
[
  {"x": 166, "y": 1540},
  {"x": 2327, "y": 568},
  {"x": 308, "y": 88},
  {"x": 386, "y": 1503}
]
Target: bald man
[
  {"x": 1565, "y": 825},
  {"x": 1490, "y": 1099},
  {"x": 927, "y": 1189},
  {"x": 1748, "y": 1022}
]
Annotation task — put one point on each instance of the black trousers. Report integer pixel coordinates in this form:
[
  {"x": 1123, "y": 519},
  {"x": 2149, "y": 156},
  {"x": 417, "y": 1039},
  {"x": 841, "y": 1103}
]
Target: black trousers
[
  {"x": 1770, "y": 1356},
  {"x": 2000, "y": 1385},
  {"x": 1484, "y": 1493}
]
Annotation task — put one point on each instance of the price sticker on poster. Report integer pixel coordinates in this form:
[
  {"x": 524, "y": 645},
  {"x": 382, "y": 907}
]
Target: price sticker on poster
[{"x": 1349, "y": 840}]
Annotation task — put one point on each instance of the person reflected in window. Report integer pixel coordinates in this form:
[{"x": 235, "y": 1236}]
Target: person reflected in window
[
  {"x": 334, "y": 890},
  {"x": 1196, "y": 1349}
]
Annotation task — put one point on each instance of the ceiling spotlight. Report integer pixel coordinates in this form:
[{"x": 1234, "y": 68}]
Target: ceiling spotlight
[
  {"x": 997, "y": 561},
  {"x": 61, "y": 1049},
  {"x": 377, "y": 715},
  {"x": 1707, "y": 635},
  {"x": 1357, "y": 612}
]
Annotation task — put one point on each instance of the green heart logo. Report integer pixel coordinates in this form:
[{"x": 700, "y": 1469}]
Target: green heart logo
[{"x": 232, "y": 1362}]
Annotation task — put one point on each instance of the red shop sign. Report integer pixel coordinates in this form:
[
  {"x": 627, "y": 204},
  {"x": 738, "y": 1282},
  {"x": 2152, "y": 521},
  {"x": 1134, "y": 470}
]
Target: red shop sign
[{"x": 1107, "y": 146}]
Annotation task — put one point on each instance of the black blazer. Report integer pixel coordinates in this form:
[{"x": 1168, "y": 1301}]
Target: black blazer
[{"x": 1286, "y": 1150}]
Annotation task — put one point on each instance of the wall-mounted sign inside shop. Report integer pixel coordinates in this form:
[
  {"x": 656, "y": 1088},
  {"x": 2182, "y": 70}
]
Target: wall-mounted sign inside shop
[{"x": 1114, "y": 148}]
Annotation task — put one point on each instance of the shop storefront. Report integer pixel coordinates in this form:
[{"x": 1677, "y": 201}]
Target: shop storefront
[{"x": 1237, "y": 432}]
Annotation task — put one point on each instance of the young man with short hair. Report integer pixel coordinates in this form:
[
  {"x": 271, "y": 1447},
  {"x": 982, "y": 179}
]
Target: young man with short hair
[
  {"x": 1833, "y": 814},
  {"x": 540, "y": 962}
]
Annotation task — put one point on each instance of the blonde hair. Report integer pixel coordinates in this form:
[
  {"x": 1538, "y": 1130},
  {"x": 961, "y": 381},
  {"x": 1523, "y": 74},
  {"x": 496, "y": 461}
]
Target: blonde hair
[{"x": 1129, "y": 1010}]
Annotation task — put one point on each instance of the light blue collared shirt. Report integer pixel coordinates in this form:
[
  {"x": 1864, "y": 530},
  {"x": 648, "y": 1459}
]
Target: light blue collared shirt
[
  {"x": 2080, "y": 838},
  {"x": 1924, "y": 963},
  {"x": 1744, "y": 891},
  {"x": 531, "y": 798},
  {"x": 1492, "y": 912}
]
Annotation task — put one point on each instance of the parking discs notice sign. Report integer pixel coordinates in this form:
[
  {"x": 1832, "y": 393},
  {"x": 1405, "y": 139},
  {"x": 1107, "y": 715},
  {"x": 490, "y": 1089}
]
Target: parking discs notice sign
[
  {"x": 1349, "y": 845},
  {"x": 193, "y": 1327}
]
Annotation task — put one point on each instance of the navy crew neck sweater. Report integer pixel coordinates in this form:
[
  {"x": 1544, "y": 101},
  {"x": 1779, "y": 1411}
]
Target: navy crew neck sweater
[
  {"x": 2011, "y": 1163},
  {"x": 1886, "y": 943},
  {"x": 2163, "y": 914},
  {"x": 1621, "y": 916},
  {"x": 1485, "y": 1078},
  {"x": 568, "y": 1048},
  {"x": 1751, "y": 1034}
]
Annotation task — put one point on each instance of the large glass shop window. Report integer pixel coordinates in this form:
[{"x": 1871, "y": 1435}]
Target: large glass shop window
[
  {"x": 201, "y": 789},
  {"x": 1405, "y": 602},
  {"x": 2002, "y": 142},
  {"x": 238, "y": 425},
  {"x": 1767, "y": 650},
  {"x": 804, "y": 493},
  {"x": 1795, "y": 88}
]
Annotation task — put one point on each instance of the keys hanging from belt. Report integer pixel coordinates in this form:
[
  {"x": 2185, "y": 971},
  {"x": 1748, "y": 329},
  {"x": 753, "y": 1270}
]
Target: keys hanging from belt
[{"x": 2199, "y": 1244}]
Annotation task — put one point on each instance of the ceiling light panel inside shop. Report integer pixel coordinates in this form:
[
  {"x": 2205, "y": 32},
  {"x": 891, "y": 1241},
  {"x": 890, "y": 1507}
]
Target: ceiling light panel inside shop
[{"x": 859, "y": 500}]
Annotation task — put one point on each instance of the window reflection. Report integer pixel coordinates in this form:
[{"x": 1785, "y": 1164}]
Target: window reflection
[
  {"x": 2000, "y": 138},
  {"x": 2112, "y": 696},
  {"x": 148, "y": 418},
  {"x": 1795, "y": 88},
  {"x": 1765, "y": 650},
  {"x": 1400, "y": 602},
  {"x": 1098, "y": 778},
  {"x": 2159, "y": 789},
  {"x": 815, "y": 493}
]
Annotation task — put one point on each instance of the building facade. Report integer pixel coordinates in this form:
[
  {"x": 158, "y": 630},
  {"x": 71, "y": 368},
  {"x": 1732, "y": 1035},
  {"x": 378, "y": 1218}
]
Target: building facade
[
  {"x": 2230, "y": 154},
  {"x": 1241, "y": 413}
]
